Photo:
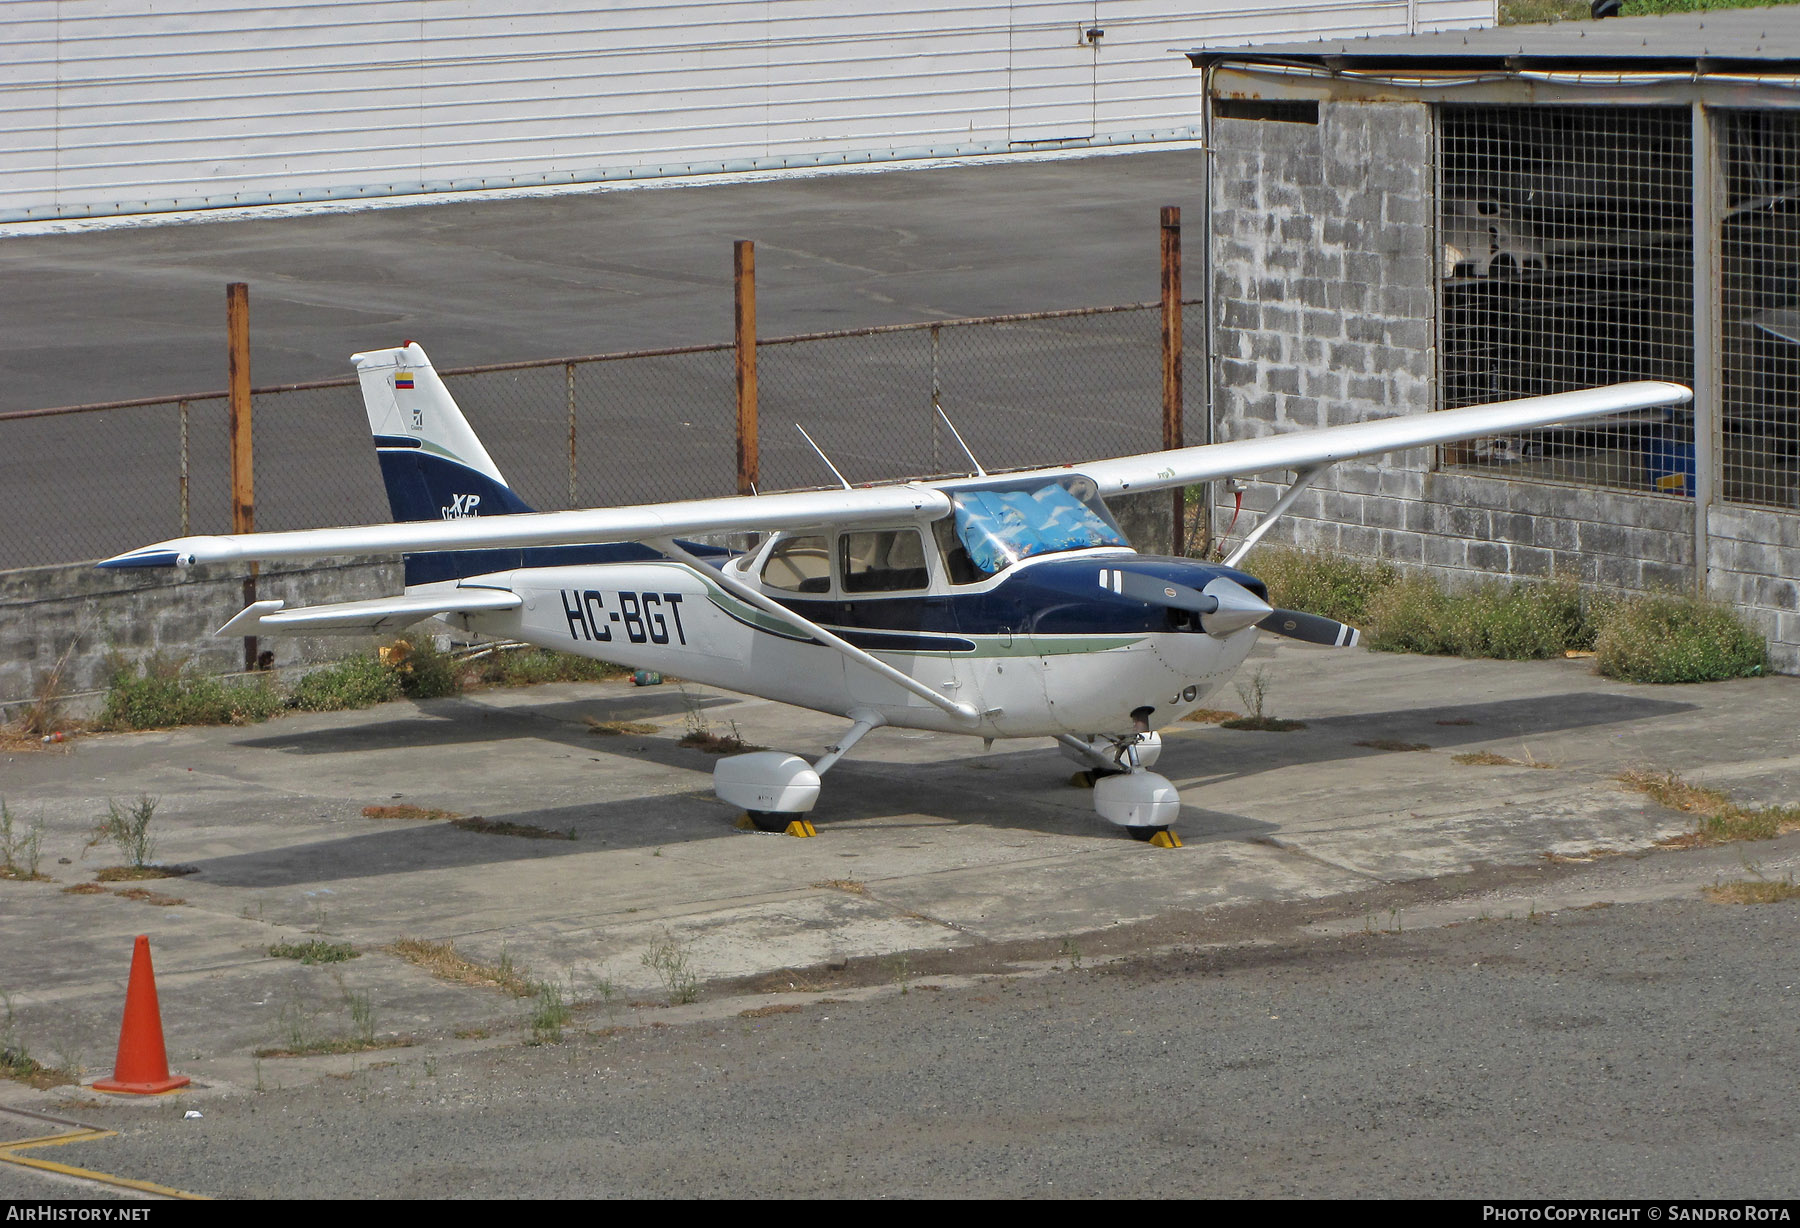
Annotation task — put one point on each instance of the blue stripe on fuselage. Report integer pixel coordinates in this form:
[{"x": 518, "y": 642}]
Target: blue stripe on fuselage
[{"x": 1050, "y": 597}]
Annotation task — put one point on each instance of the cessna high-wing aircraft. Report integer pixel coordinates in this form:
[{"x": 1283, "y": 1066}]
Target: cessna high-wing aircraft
[{"x": 1001, "y": 606}]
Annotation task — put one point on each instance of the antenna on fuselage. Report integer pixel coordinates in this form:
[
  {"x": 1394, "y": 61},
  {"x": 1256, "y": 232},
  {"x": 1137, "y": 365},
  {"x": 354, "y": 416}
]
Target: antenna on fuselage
[
  {"x": 822, "y": 456},
  {"x": 957, "y": 435}
]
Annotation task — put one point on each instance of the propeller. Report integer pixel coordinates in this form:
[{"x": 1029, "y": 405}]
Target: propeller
[
  {"x": 1224, "y": 605},
  {"x": 1311, "y": 628}
]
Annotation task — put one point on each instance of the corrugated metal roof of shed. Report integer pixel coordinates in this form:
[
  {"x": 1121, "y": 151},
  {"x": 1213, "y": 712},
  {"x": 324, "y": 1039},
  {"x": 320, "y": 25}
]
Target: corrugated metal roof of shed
[{"x": 1759, "y": 39}]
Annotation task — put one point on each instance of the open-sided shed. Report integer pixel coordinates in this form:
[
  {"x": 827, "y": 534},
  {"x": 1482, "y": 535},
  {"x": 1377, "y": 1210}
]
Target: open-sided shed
[{"x": 1411, "y": 223}]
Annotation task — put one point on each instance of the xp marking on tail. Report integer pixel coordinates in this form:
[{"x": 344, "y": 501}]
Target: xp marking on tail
[{"x": 998, "y": 606}]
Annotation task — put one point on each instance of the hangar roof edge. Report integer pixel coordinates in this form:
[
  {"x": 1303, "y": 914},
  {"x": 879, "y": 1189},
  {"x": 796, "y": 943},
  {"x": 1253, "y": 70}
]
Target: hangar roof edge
[{"x": 1760, "y": 39}]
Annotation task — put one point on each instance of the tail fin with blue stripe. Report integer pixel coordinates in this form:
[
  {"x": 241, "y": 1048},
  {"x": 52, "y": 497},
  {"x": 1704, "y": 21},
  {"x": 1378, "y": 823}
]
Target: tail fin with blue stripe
[{"x": 431, "y": 459}]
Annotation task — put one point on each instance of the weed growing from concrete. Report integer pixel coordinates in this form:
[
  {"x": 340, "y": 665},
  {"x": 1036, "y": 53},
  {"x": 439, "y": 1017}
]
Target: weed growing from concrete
[
  {"x": 442, "y": 960},
  {"x": 1254, "y": 691},
  {"x": 521, "y": 665},
  {"x": 550, "y": 1010},
  {"x": 613, "y": 729},
  {"x": 160, "y": 694},
  {"x": 16, "y": 1061},
  {"x": 317, "y": 951},
  {"x": 357, "y": 682},
  {"x": 1487, "y": 758},
  {"x": 1211, "y": 716},
  {"x": 900, "y": 969},
  {"x": 1334, "y": 585},
  {"x": 674, "y": 967},
  {"x": 501, "y": 827},
  {"x": 1718, "y": 819},
  {"x": 1670, "y": 638},
  {"x": 361, "y": 1006},
  {"x": 408, "y": 812},
  {"x": 1071, "y": 951},
  {"x": 1754, "y": 891},
  {"x": 22, "y": 850},
  {"x": 301, "y": 1037},
  {"x": 127, "y": 828}
]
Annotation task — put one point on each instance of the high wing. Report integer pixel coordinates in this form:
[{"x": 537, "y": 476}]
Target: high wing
[
  {"x": 1311, "y": 449},
  {"x": 838, "y": 509},
  {"x": 644, "y": 522}
]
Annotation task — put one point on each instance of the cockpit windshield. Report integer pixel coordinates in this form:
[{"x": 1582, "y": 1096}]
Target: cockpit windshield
[{"x": 999, "y": 526}]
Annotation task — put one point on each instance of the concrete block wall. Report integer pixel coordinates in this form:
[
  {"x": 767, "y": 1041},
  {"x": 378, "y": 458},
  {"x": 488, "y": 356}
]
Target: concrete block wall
[
  {"x": 136, "y": 615},
  {"x": 1755, "y": 562},
  {"x": 1324, "y": 301}
]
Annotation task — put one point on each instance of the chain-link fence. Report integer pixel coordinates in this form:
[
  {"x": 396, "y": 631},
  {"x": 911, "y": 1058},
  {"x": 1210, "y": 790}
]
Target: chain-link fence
[{"x": 643, "y": 427}]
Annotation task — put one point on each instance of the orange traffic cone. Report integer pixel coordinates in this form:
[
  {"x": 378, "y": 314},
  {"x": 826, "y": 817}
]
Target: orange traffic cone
[{"x": 142, "y": 1067}]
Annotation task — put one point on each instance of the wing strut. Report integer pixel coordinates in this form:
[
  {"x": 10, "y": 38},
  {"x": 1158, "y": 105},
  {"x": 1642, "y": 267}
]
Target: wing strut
[
  {"x": 1306, "y": 478},
  {"x": 744, "y": 592}
]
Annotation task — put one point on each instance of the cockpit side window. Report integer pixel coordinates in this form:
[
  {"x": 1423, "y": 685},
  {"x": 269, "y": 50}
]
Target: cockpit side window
[
  {"x": 958, "y": 566},
  {"x": 799, "y": 565},
  {"x": 884, "y": 561}
]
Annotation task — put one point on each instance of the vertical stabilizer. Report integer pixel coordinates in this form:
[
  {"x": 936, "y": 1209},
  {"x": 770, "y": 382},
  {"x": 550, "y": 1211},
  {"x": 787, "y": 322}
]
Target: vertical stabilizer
[{"x": 431, "y": 459}]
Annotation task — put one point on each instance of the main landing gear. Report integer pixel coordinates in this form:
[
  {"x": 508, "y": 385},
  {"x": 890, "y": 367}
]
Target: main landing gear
[{"x": 778, "y": 790}]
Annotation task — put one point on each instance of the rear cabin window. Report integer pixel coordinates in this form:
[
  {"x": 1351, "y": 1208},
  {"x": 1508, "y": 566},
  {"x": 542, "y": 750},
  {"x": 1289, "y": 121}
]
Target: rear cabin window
[{"x": 884, "y": 561}]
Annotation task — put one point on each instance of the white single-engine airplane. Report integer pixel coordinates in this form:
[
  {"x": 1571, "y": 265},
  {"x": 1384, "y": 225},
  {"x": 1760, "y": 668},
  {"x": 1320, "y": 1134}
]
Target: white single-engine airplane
[{"x": 1001, "y": 606}]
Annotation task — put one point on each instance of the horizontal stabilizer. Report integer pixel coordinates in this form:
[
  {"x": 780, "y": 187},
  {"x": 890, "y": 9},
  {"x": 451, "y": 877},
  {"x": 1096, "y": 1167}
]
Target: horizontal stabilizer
[{"x": 366, "y": 617}]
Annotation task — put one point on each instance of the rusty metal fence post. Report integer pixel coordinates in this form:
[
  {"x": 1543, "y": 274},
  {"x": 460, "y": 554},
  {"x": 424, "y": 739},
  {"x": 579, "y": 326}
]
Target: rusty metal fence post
[
  {"x": 182, "y": 481},
  {"x": 243, "y": 456},
  {"x": 744, "y": 278},
  {"x": 1171, "y": 361},
  {"x": 569, "y": 382}
]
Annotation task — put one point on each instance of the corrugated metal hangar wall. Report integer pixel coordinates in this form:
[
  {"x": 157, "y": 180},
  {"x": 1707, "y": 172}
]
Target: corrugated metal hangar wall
[{"x": 136, "y": 106}]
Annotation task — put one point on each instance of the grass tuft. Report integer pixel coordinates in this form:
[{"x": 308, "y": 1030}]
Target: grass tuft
[
  {"x": 1754, "y": 891},
  {"x": 1666, "y": 638},
  {"x": 1333, "y": 585},
  {"x": 1718, "y": 819},
  {"x": 317, "y": 951},
  {"x": 404, "y": 811},
  {"x": 675, "y": 968},
  {"x": 22, "y": 851},
  {"x": 500, "y": 827},
  {"x": 1487, "y": 758},
  {"x": 146, "y": 896},
  {"x": 356, "y": 682},
  {"x": 161, "y": 693},
  {"x": 1263, "y": 724},
  {"x": 612, "y": 729},
  {"x": 1509, "y": 621},
  {"x": 442, "y": 960},
  {"x": 1211, "y": 716},
  {"x": 525, "y": 666}
]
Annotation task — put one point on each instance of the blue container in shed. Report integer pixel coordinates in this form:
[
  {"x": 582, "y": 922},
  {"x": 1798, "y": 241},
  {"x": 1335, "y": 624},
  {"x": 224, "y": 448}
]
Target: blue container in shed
[{"x": 1669, "y": 462}]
